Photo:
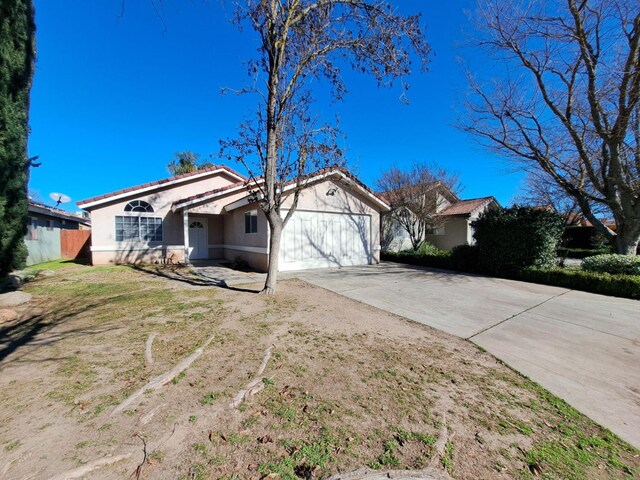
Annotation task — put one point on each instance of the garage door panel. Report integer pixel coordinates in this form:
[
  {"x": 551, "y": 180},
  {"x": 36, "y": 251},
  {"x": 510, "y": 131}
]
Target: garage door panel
[{"x": 321, "y": 240}]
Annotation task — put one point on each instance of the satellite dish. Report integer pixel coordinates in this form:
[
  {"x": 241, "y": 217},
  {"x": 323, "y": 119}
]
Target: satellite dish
[{"x": 59, "y": 198}]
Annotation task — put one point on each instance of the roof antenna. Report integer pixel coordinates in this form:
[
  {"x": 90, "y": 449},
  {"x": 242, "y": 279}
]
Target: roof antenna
[{"x": 59, "y": 198}]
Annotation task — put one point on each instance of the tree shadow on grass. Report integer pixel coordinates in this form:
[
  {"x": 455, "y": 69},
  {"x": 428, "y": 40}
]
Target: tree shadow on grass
[
  {"x": 34, "y": 328},
  {"x": 187, "y": 275}
]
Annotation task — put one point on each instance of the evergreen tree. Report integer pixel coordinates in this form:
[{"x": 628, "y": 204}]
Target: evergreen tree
[{"x": 17, "y": 56}]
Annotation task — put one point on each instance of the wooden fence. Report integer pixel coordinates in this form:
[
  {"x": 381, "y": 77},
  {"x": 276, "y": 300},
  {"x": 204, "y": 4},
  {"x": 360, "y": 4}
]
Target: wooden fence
[{"x": 75, "y": 244}]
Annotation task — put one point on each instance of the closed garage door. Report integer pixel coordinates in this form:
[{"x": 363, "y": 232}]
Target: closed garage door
[{"x": 321, "y": 240}]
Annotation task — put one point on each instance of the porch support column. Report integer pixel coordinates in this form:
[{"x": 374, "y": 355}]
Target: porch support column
[{"x": 185, "y": 230}]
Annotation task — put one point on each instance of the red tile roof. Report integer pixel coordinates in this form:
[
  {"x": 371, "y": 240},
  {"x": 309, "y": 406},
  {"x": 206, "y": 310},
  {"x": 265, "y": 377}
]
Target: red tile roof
[
  {"x": 211, "y": 192},
  {"x": 467, "y": 207},
  {"x": 248, "y": 183},
  {"x": 160, "y": 182}
]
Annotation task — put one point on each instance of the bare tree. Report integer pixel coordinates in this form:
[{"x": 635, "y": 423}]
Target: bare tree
[
  {"x": 301, "y": 42},
  {"x": 416, "y": 196},
  {"x": 540, "y": 190},
  {"x": 566, "y": 102},
  {"x": 186, "y": 162}
]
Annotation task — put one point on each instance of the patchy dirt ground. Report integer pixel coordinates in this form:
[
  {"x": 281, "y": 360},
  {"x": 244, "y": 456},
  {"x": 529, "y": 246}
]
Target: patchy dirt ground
[{"x": 346, "y": 386}]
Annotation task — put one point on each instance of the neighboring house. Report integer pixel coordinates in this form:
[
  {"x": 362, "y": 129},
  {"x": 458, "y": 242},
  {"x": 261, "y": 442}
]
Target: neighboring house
[
  {"x": 454, "y": 224},
  {"x": 214, "y": 213},
  {"x": 45, "y": 229},
  {"x": 457, "y": 229}
]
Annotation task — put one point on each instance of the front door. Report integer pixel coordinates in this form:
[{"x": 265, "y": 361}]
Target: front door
[{"x": 198, "y": 238}]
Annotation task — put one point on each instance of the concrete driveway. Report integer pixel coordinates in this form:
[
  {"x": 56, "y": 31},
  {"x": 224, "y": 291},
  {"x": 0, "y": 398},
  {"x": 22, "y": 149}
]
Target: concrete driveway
[{"x": 584, "y": 348}]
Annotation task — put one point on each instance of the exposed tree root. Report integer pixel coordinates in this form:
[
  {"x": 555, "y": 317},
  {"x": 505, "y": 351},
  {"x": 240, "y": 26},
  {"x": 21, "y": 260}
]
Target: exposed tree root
[
  {"x": 148, "y": 354},
  {"x": 138, "y": 470},
  {"x": 147, "y": 418},
  {"x": 441, "y": 445},
  {"x": 255, "y": 385},
  {"x": 161, "y": 380},
  {"x": 89, "y": 467}
]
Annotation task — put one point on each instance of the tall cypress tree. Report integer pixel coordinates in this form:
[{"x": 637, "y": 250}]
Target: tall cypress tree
[{"x": 17, "y": 56}]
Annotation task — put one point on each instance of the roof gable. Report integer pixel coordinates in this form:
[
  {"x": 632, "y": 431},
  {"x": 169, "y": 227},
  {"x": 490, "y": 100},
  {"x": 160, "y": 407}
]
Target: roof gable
[
  {"x": 469, "y": 207},
  {"x": 93, "y": 202},
  {"x": 306, "y": 181}
]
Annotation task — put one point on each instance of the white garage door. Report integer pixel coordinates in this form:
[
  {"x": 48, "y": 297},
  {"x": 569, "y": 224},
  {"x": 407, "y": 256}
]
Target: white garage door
[{"x": 321, "y": 240}]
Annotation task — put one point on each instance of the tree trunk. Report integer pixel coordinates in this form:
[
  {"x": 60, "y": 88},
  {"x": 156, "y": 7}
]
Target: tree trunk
[
  {"x": 626, "y": 243},
  {"x": 275, "y": 222}
]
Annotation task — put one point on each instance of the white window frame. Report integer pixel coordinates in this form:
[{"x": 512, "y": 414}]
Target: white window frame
[{"x": 251, "y": 228}]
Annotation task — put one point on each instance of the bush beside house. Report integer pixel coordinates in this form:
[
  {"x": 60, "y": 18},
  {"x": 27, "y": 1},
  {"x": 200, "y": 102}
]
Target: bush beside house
[
  {"x": 508, "y": 246},
  {"x": 510, "y": 239}
]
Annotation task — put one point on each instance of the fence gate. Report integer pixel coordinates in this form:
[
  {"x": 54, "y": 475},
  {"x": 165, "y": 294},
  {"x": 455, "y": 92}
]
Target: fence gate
[{"x": 75, "y": 243}]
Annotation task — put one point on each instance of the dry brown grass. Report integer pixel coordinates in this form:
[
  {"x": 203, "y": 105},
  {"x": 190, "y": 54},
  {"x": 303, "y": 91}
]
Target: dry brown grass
[{"x": 347, "y": 386}]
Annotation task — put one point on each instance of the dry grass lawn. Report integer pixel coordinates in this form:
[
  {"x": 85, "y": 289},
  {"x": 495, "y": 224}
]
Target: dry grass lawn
[{"x": 346, "y": 386}]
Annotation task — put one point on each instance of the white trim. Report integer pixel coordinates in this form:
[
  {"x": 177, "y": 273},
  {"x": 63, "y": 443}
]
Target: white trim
[
  {"x": 246, "y": 200},
  {"x": 134, "y": 248},
  {"x": 242, "y": 248},
  {"x": 157, "y": 186},
  {"x": 211, "y": 196}
]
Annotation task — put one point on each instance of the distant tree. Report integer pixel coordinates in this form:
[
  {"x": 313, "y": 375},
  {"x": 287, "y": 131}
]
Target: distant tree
[
  {"x": 564, "y": 100},
  {"x": 416, "y": 197},
  {"x": 301, "y": 42},
  {"x": 17, "y": 56},
  {"x": 186, "y": 162},
  {"x": 541, "y": 191}
]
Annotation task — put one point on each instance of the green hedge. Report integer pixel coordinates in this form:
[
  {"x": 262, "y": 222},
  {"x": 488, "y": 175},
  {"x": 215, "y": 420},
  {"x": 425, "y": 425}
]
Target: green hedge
[
  {"x": 510, "y": 239},
  {"x": 614, "y": 264},
  {"x": 442, "y": 259},
  {"x": 627, "y": 286},
  {"x": 581, "y": 252}
]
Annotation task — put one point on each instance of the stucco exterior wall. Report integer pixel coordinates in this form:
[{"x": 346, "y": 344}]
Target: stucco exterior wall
[
  {"x": 456, "y": 232},
  {"x": 105, "y": 248}
]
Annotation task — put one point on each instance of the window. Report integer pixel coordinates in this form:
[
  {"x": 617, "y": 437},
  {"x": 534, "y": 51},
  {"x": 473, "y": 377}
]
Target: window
[
  {"x": 49, "y": 225},
  {"x": 138, "y": 228},
  {"x": 196, "y": 224},
  {"x": 144, "y": 229},
  {"x": 251, "y": 222},
  {"x": 32, "y": 229},
  {"x": 433, "y": 230},
  {"x": 138, "y": 206}
]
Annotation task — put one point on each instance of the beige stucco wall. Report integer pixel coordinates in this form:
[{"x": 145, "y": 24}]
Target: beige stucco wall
[
  {"x": 455, "y": 232},
  {"x": 226, "y": 235},
  {"x": 105, "y": 249}
]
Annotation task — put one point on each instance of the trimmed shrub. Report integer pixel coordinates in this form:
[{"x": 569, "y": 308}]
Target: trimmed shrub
[
  {"x": 614, "y": 264},
  {"x": 427, "y": 248},
  {"x": 441, "y": 259},
  {"x": 576, "y": 236},
  {"x": 581, "y": 252},
  {"x": 510, "y": 239},
  {"x": 465, "y": 258},
  {"x": 627, "y": 286}
]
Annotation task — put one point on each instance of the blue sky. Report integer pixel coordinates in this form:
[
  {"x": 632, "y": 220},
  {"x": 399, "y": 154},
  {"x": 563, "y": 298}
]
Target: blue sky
[{"x": 115, "y": 96}]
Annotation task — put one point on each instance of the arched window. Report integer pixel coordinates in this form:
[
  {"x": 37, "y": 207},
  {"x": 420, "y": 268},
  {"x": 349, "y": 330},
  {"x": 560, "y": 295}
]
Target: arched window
[
  {"x": 138, "y": 206},
  {"x": 140, "y": 227},
  {"x": 196, "y": 224}
]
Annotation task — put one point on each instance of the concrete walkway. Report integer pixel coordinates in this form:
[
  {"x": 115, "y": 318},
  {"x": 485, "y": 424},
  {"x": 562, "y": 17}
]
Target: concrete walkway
[{"x": 582, "y": 347}]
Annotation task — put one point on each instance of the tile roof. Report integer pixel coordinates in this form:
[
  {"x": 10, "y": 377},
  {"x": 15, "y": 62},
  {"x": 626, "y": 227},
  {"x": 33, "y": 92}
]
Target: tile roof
[
  {"x": 160, "y": 182},
  {"x": 467, "y": 207},
  {"x": 249, "y": 183},
  {"x": 211, "y": 192}
]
